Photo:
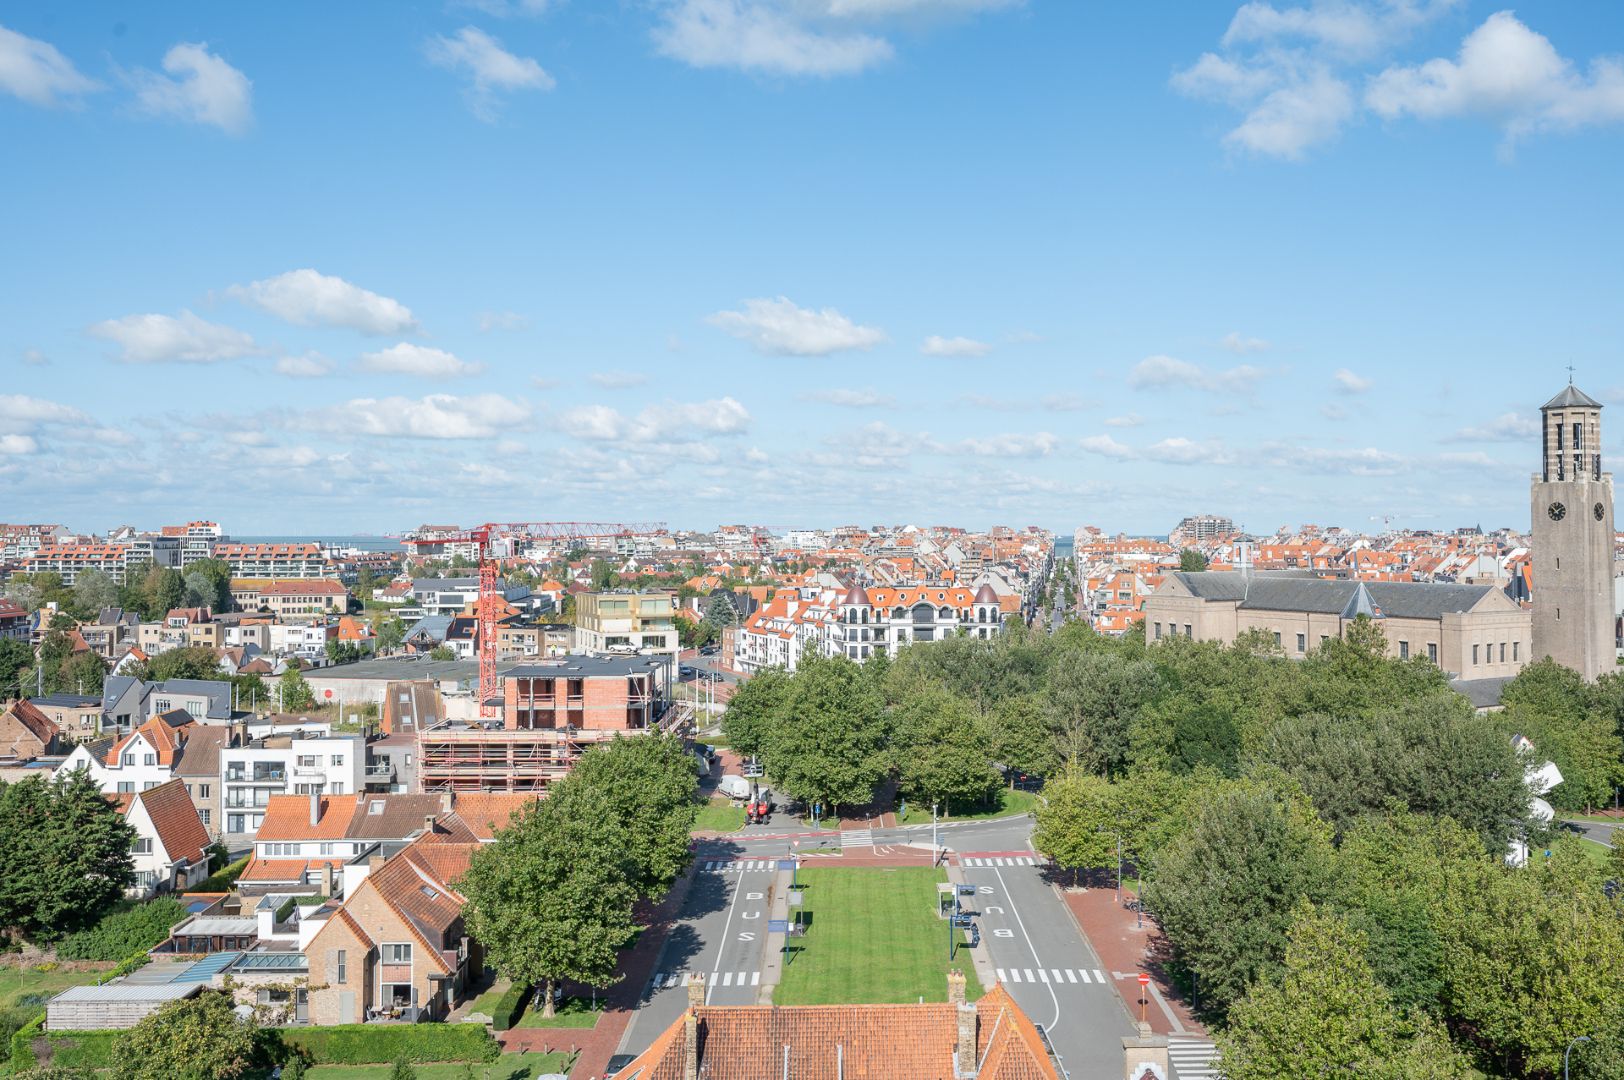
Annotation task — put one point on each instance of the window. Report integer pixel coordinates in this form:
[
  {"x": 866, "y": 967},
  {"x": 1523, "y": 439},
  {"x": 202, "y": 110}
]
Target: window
[
  {"x": 1302, "y": 643},
  {"x": 375, "y": 806},
  {"x": 1432, "y": 651},
  {"x": 126, "y": 787},
  {"x": 1189, "y": 631},
  {"x": 203, "y": 816},
  {"x": 327, "y": 849},
  {"x": 1158, "y": 631},
  {"x": 234, "y": 823},
  {"x": 397, "y": 954},
  {"x": 149, "y": 759},
  {"x": 1502, "y": 652},
  {"x": 202, "y": 791},
  {"x": 1475, "y": 660},
  {"x": 340, "y": 967},
  {"x": 1277, "y": 639},
  {"x": 1515, "y": 650},
  {"x": 338, "y": 760},
  {"x": 309, "y": 761},
  {"x": 1404, "y": 650},
  {"x": 142, "y": 845},
  {"x": 129, "y": 759}
]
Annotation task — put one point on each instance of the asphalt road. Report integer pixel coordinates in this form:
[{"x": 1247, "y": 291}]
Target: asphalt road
[{"x": 1025, "y": 928}]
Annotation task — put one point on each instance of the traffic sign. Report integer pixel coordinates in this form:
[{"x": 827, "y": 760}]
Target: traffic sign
[
  {"x": 777, "y": 926},
  {"x": 1144, "y": 980},
  {"x": 786, "y": 864}
]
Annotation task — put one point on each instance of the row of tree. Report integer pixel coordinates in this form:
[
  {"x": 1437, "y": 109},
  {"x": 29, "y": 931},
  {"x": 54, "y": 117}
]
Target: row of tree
[
  {"x": 151, "y": 591},
  {"x": 553, "y": 898}
]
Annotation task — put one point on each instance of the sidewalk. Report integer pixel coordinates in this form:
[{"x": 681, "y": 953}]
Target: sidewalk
[
  {"x": 1126, "y": 948},
  {"x": 596, "y": 1045}
]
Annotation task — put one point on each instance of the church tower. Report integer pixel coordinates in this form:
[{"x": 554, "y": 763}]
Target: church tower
[{"x": 1572, "y": 508}]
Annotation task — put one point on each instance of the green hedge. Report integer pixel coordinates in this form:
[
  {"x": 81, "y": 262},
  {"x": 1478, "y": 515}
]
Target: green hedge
[
  {"x": 223, "y": 881},
  {"x": 510, "y": 1006},
  {"x": 83, "y": 1049},
  {"x": 125, "y": 966},
  {"x": 22, "y": 1044},
  {"x": 127, "y": 929},
  {"x": 363, "y": 1044}
]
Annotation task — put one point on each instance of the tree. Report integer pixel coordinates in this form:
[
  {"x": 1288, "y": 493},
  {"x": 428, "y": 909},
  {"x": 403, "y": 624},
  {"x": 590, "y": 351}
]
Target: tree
[
  {"x": 1022, "y": 740},
  {"x": 551, "y": 897},
  {"x": 831, "y": 747},
  {"x": 199, "y": 1038},
  {"x": 1094, "y": 697},
  {"x": 941, "y": 750},
  {"x": 442, "y": 652},
  {"x": 1078, "y": 821},
  {"x": 1326, "y": 1015},
  {"x": 159, "y": 591},
  {"x": 603, "y": 575},
  {"x": 94, "y": 590},
  {"x": 720, "y": 612},
  {"x": 294, "y": 694},
  {"x": 391, "y": 631},
  {"x": 402, "y": 1071},
  {"x": 1192, "y": 561},
  {"x": 64, "y": 854},
  {"x": 82, "y": 673},
  {"x": 649, "y": 782},
  {"x": 15, "y": 658},
  {"x": 1224, "y": 891},
  {"x": 1571, "y": 723},
  {"x": 757, "y": 707},
  {"x": 1436, "y": 756}
]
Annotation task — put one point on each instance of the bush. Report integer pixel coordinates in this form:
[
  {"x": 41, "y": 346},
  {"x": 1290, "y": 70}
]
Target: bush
[
  {"x": 22, "y": 1043},
  {"x": 57, "y": 1072},
  {"x": 365, "y": 1044},
  {"x": 127, "y": 965},
  {"x": 83, "y": 1049},
  {"x": 223, "y": 880},
  {"x": 124, "y": 931},
  {"x": 510, "y": 1006}
]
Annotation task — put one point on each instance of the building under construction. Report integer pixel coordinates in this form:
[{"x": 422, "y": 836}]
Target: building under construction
[{"x": 552, "y": 712}]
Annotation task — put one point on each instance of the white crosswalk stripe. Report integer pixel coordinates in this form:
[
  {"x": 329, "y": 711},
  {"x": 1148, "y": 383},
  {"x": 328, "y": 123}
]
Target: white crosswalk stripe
[
  {"x": 857, "y": 838},
  {"x": 1192, "y": 1059},
  {"x": 1052, "y": 976},
  {"x": 1001, "y": 976},
  {"x": 738, "y": 866},
  {"x": 1098, "y": 974},
  {"x": 664, "y": 979},
  {"x": 979, "y": 861}
]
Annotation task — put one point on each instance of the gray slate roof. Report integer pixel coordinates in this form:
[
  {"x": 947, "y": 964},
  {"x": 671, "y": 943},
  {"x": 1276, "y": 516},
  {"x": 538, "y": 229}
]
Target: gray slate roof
[
  {"x": 218, "y": 693},
  {"x": 1289, "y": 591},
  {"x": 1571, "y": 397}
]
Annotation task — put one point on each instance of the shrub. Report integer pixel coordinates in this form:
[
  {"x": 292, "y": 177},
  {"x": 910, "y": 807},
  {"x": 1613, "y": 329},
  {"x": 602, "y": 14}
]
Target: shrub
[
  {"x": 22, "y": 1043},
  {"x": 84, "y": 1049},
  {"x": 366, "y": 1044},
  {"x": 510, "y": 1006},
  {"x": 222, "y": 880},
  {"x": 402, "y": 1071},
  {"x": 57, "y": 1072},
  {"x": 125, "y": 930}
]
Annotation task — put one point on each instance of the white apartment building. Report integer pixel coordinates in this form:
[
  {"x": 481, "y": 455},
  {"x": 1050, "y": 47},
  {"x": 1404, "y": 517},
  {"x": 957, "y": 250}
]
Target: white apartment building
[
  {"x": 308, "y": 641},
  {"x": 296, "y": 763},
  {"x": 273, "y": 561}
]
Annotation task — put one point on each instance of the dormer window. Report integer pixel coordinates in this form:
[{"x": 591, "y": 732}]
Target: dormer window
[{"x": 375, "y": 807}]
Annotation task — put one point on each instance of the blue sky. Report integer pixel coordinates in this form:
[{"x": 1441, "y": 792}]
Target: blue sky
[{"x": 801, "y": 262}]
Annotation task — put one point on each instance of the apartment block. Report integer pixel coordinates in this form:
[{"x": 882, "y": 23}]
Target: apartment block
[
  {"x": 625, "y": 622},
  {"x": 274, "y": 561},
  {"x": 69, "y": 560}
]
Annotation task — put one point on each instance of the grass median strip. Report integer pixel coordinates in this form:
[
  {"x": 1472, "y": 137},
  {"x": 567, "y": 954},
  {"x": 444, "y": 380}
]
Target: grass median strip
[{"x": 872, "y": 938}]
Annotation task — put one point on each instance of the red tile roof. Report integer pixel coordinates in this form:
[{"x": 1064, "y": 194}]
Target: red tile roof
[{"x": 175, "y": 820}]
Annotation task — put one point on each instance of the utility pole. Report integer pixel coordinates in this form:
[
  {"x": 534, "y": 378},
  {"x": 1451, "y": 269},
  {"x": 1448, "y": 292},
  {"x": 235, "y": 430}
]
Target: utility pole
[{"x": 934, "y": 851}]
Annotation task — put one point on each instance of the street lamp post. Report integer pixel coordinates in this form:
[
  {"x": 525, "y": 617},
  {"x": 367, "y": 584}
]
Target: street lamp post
[
  {"x": 935, "y": 855},
  {"x": 1569, "y": 1051}
]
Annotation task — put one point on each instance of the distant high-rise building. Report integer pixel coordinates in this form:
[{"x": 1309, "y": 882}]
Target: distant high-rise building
[
  {"x": 1201, "y": 527},
  {"x": 1572, "y": 508}
]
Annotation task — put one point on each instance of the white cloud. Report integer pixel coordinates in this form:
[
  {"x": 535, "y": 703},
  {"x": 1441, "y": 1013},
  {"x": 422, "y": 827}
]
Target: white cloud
[
  {"x": 618, "y": 380},
  {"x": 1342, "y": 27},
  {"x": 490, "y": 69},
  {"x": 151, "y": 339},
  {"x": 935, "y": 345},
  {"x": 1509, "y": 73},
  {"x": 35, "y": 358},
  {"x": 671, "y": 422},
  {"x": 200, "y": 87},
  {"x": 761, "y": 36},
  {"x": 1347, "y": 382},
  {"x": 503, "y": 9},
  {"x": 780, "y": 328},
  {"x": 420, "y": 360},
  {"x": 1469, "y": 459},
  {"x": 1301, "y": 114},
  {"x": 1023, "y": 337},
  {"x": 20, "y": 412},
  {"x": 1064, "y": 402},
  {"x": 1236, "y": 342},
  {"x": 309, "y": 366},
  {"x": 1181, "y": 451},
  {"x": 851, "y": 399},
  {"x": 1507, "y": 427},
  {"x": 437, "y": 416},
  {"x": 501, "y": 320},
  {"x": 1011, "y": 444},
  {"x": 18, "y": 445},
  {"x": 1367, "y": 461},
  {"x": 1106, "y": 446},
  {"x": 1165, "y": 371},
  {"x": 1130, "y": 420},
  {"x": 36, "y": 72},
  {"x": 872, "y": 9},
  {"x": 1334, "y": 412},
  {"x": 308, "y": 298}
]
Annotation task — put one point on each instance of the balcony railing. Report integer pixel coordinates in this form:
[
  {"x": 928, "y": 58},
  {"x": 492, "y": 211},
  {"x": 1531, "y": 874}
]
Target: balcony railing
[{"x": 257, "y": 778}]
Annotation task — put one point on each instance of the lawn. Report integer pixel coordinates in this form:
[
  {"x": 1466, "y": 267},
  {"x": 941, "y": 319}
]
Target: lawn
[
  {"x": 1007, "y": 804},
  {"x": 719, "y": 815},
  {"x": 1600, "y": 854},
  {"x": 19, "y": 983},
  {"x": 873, "y": 937},
  {"x": 1598, "y": 819},
  {"x": 572, "y": 1012},
  {"x": 507, "y": 1067}
]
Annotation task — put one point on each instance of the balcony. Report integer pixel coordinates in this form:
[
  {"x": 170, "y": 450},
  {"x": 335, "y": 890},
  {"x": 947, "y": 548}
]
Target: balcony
[
  {"x": 380, "y": 772},
  {"x": 277, "y": 777}
]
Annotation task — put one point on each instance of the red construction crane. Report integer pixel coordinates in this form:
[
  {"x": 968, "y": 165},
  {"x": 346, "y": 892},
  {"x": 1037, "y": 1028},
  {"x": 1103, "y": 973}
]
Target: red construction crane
[{"x": 490, "y": 602}]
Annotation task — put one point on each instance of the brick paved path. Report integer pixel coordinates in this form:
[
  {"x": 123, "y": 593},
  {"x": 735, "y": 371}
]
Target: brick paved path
[{"x": 1124, "y": 945}]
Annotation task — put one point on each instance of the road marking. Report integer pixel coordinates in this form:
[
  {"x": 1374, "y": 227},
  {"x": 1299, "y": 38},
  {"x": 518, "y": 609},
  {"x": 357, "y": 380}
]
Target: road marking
[
  {"x": 1192, "y": 1059},
  {"x": 1028, "y": 972},
  {"x": 1014, "y": 975},
  {"x": 1016, "y": 911},
  {"x": 1043, "y": 975},
  {"x": 1071, "y": 975},
  {"x": 1057, "y": 976},
  {"x": 727, "y": 978},
  {"x": 1001, "y": 976},
  {"x": 721, "y": 946},
  {"x": 755, "y": 978}
]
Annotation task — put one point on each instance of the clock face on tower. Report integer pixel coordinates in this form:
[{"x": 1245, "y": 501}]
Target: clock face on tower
[
  {"x": 1557, "y": 511},
  {"x": 1599, "y": 510}
]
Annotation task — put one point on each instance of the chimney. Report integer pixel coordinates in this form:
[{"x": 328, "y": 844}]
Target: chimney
[
  {"x": 447, "y": 801},
  {"x": 428, "y": 823},
  {"x": 1144, "y": 1054},
  {"x": 690, "y": 1028},
  {"x": 327, "y": 879},
  {"x": 964, "y": 1045},
  {"x": 315, "y": 809}
]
